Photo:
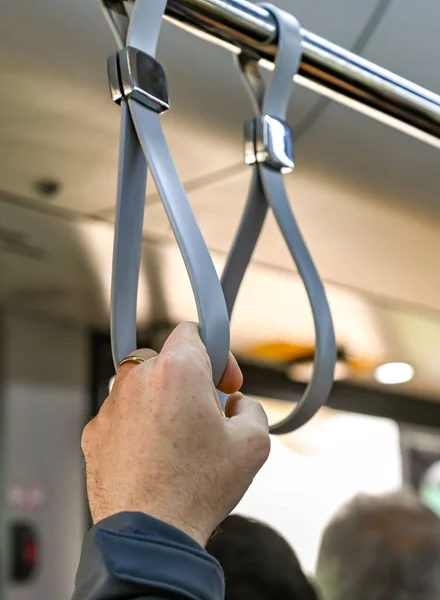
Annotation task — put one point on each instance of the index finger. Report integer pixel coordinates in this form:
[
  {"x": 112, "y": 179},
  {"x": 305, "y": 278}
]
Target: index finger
[
  {"x": 184, "y": 342},
  {"x": 232, "y": 379},
  {"x": 185, "y": 339}
]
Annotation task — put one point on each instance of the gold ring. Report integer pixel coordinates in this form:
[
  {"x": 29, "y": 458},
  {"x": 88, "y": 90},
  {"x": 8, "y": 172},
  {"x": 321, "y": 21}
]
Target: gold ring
[{"x": 136, "y": 359}]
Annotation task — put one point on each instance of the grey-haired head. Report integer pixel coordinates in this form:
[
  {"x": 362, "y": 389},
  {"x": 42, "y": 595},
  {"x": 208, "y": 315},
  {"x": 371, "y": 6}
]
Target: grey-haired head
[{"x": 381, "y": 548}]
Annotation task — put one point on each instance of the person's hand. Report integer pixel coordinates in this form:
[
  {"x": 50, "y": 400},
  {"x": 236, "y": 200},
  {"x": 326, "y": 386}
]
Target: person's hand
[{"x": 161, "y": 444}]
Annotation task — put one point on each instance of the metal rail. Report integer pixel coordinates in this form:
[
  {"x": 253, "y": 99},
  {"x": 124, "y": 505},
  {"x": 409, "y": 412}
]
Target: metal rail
[{"x": 325, "y": 67}]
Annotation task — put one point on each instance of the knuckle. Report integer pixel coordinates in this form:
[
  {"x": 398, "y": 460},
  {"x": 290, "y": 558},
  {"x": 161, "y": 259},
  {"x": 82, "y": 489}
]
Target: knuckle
[
  {"x": 262, "y": 416},
  {"x": 264, "y": 419},
  {"x": 258, "y": 405},
  {"x": 256, "y": 449},
  {"x": 259, "y": 440},
  {"x": 188, "y": 327},
  {"x": 256, "y": 412},
  {"x": 206, "y": 360},
  {"x": 87, "y": 437},
  {"x": 263, "y": 441},
  {"x": 145, "y": 353},
  {"x": 171, "y": 361},
  {"x": 178, "y": 363}
]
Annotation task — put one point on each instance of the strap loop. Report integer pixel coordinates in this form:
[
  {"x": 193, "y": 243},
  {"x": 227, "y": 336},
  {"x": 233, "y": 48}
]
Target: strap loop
[
  {"x": 118, "y": 20},
  {"x": 137, "y": 82},
  {"x": 269, "y": 147},
  {"x": 133, "y": 76}
]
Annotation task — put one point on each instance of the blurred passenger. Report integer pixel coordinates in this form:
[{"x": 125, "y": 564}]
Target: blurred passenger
[
  {"x": 258, "y": 563},
  {"x": 381, "y": 548}
]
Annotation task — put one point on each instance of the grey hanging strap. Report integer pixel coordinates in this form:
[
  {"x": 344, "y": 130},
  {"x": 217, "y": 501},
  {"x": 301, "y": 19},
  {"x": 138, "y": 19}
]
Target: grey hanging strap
[
  {"x": 269, "y": 147},
  {"x": 137, "y": 82}
]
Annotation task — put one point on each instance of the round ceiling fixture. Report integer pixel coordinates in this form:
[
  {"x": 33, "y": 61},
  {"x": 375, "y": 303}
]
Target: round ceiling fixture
[{"x": 393, "y": 373}]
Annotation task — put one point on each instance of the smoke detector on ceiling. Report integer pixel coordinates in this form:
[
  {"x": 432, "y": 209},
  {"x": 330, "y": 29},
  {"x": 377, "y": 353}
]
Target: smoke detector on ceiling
[{"x": 47, "y": 188}]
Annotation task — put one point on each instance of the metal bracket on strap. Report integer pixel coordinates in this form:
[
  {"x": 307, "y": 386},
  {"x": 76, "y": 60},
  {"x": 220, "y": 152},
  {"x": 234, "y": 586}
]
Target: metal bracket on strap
[
  {"x": 269, "y": 141},
  {"x": 135, "y": 74}
]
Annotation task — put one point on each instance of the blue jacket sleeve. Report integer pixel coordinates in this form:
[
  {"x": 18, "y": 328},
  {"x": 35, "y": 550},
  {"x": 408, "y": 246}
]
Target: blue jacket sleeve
[{"x": 131, "y": 556}]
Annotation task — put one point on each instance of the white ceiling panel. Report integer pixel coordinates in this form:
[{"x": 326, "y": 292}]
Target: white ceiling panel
[
  {"x": 339, "y": 21},
  {"x": 368, "y": 156},
  {"x": 356, "y": 241},
  {"x": 59, "y": 123},
  {"x": 372, "y": 160},
  {"x": 44, "y": 265},
  {"x": 407, "y": 42},
  {"x": 60, "y": 269}
]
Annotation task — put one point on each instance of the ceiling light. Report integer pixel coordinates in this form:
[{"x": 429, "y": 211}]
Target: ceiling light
[{"x": 393, "y": 373}]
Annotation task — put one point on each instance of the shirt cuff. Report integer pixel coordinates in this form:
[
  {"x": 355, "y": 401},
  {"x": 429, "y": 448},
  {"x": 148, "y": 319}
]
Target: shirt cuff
[{"x": 141, "y": 550}]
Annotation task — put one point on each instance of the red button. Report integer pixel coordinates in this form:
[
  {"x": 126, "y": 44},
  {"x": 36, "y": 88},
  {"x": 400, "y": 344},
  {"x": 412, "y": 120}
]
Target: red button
[{"x": 30, "y": 552}]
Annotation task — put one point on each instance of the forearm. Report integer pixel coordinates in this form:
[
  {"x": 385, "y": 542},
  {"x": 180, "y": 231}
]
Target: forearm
[{"x": 131, "y": 556}]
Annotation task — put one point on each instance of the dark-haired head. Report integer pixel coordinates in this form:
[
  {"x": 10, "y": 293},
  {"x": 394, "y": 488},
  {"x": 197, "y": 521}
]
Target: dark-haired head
[{"x": 258, "y": 563}]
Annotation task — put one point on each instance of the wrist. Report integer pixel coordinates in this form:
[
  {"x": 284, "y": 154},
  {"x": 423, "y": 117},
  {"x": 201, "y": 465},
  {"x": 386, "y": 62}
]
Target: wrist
[{"x": 198, "y": 534}]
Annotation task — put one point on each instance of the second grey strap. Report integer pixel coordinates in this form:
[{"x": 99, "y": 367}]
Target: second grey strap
[
  {"x": 245, "y": 241},
  {"x": 267, "y": 188},
  {"x": 274, "y": 103},
  {"x": 321, "y": 383},
  {"x": 117, "y": 19}
]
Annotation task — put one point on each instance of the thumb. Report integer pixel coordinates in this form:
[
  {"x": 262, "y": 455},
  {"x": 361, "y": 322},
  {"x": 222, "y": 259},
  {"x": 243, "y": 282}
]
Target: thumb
[
  {"x": 247, "y": 411},
  {"x": 232, "y": 378},
  {"x": 251, "y": 432}
]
